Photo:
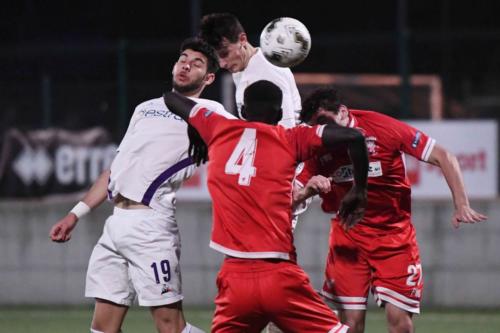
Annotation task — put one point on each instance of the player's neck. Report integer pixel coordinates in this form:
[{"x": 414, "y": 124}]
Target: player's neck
[{"x": 193, "y": 94}]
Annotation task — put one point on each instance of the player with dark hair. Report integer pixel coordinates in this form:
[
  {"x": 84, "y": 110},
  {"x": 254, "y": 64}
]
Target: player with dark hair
[
  {"x": 252, "y": 165},
  {"x": 381, "y": 252},
  {"x": 139, "y": 250},
  {"x": 247, "y": 63}
]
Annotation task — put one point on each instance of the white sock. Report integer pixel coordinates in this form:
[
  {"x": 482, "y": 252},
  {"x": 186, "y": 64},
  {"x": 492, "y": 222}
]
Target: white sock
[
  {"x": 94, "y": 331},
  {"x": 192, "y": 329}
]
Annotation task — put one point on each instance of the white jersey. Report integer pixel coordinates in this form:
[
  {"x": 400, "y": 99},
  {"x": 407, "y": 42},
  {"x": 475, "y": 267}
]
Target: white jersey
[
  {"x": 260, "y": 69},
  {"x": 152, "y": 159}
]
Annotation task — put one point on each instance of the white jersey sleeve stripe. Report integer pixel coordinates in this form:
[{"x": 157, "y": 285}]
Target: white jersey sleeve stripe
[{"x": 428, "y": 149}]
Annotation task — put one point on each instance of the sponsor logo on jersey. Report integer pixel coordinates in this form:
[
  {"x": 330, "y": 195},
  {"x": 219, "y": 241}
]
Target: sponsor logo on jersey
[
  {"x": 148, "y": 113},
  {"x": 371, "y": 145},
  {"x": 345, "y": 173},
  {"x": 416, "y": 139}
]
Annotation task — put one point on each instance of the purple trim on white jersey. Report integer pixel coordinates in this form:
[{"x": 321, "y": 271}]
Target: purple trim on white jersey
[{"x": 146, "y": 199}]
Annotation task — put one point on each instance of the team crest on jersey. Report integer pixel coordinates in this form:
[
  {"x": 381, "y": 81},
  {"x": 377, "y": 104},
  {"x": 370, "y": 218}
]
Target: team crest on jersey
[
  {"x": 208, "y": 112},
  {"x": 371, "y": 145}
]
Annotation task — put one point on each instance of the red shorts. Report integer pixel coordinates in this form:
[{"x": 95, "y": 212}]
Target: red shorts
[
  {"x": 388, "y": 264},
  {"x": 254, "y": 292}
]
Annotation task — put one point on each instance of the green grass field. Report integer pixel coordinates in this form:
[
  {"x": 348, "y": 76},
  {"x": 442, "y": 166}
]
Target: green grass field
[{"x": 77, "y": 319}]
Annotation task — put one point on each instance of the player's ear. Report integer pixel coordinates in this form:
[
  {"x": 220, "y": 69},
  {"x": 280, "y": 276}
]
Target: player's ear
[
  {"x": 242, "y": 38},
  {"x": 209, "y": 78}
]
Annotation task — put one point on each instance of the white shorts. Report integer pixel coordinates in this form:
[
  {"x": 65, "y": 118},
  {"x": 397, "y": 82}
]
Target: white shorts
[{"x": 138, "y": 253}]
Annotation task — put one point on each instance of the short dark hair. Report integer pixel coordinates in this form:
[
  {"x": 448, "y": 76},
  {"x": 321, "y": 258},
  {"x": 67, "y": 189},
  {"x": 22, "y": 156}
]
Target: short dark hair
[
  {"x": 263, "y": 91},
  {"x": 262, "y": 102},
  {"x": 199, "y": 45},
  {"x": 326, "y": 98},
  {"x": 217, "y": 26}
]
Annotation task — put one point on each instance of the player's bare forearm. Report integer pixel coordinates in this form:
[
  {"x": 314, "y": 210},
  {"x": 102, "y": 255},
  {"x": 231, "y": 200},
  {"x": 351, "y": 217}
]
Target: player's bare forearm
[
  {"x": 356, "y": 147},
  {"x": 451, "y": 170},
  {"x": 99, "y": 190},
  {"x": 352, "y": 206},
  {"x": 178, "y": 104},
  {"x": 61, "y": 231}
]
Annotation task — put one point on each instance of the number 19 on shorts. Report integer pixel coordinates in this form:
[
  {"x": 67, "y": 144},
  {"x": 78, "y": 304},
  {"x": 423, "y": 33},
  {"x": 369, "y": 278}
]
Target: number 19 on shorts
[{"x": 161, "y": 270}]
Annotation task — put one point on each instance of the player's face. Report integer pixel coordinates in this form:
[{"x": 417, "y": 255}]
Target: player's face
[
  {"x": 233, "y": 56},
  {"x": 190, "y": 73}
]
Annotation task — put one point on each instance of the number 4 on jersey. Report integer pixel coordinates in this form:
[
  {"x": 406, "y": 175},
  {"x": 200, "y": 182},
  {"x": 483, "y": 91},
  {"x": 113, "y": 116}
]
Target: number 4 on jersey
[{"x": 242, "y": 158}]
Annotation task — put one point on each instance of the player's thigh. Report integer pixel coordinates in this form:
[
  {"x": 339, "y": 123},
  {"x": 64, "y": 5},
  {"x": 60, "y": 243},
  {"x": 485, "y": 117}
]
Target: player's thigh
[
  {"x": 237, "y": 306},
  {"x": 152, "y": 249},
  {"x": 347, "y": 273},
  {"x": 398, "y": 276},
  {"x": 299, "y": 308},
  {"x": 108, "y": 316},
  {"x": 107, "y": 274}
]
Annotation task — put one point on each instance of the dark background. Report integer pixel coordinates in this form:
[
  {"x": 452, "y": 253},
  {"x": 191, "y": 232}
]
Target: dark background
[{"x": 76, "y": 64}]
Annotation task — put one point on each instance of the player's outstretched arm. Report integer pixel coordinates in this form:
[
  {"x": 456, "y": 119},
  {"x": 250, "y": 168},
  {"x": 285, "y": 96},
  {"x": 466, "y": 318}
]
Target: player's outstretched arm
[
  {"x": 61, "y": 231},
  {"x": 178, "y": 104},
  {"x": 352, "y": 207},
  {"x": 451, "y": 170}
]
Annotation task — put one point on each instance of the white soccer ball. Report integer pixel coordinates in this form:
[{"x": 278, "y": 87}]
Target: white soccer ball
[{"x": 285, "y": 42}]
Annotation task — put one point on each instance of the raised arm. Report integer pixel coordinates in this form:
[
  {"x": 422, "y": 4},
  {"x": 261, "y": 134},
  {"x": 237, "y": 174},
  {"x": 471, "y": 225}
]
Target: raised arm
[
  {"x": 451, "y": 170},
  {"x": 178, "y": 104},
  {"x": 352, "y": 207}
]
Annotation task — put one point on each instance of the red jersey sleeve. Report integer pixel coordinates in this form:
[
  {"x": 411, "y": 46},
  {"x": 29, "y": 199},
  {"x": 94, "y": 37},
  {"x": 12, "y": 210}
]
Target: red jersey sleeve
[
  {"x": 306, "y": 141},
  {"x": 204, "y": 120},
  {"x": 308, "y": 169},
  {"x": 411, "y": 140}
]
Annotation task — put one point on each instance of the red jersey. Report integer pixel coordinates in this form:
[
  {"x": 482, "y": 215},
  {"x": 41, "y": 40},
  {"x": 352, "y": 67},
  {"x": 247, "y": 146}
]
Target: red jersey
[
  {"x": 250, "y": 175},
  {"x": 389, "y": 191}
]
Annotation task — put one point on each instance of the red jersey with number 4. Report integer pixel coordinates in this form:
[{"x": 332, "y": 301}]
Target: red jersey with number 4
[
  {"x": 389, "y": 192},
  {"x": 250, "y": 172}
]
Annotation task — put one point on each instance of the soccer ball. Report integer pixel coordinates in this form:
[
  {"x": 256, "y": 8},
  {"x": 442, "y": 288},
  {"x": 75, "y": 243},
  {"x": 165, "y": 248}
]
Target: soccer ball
[{"x": 285, "y": 42}]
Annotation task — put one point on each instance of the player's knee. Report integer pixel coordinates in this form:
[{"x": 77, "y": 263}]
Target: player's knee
[
  {"x": 355, "y": 320},
  {"x": 401, "y": 324},
  {"x": 355, "y": 326}
]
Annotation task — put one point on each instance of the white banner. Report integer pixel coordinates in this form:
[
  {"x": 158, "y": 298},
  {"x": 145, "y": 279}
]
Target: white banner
[{"x": 475, "y": 145}]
